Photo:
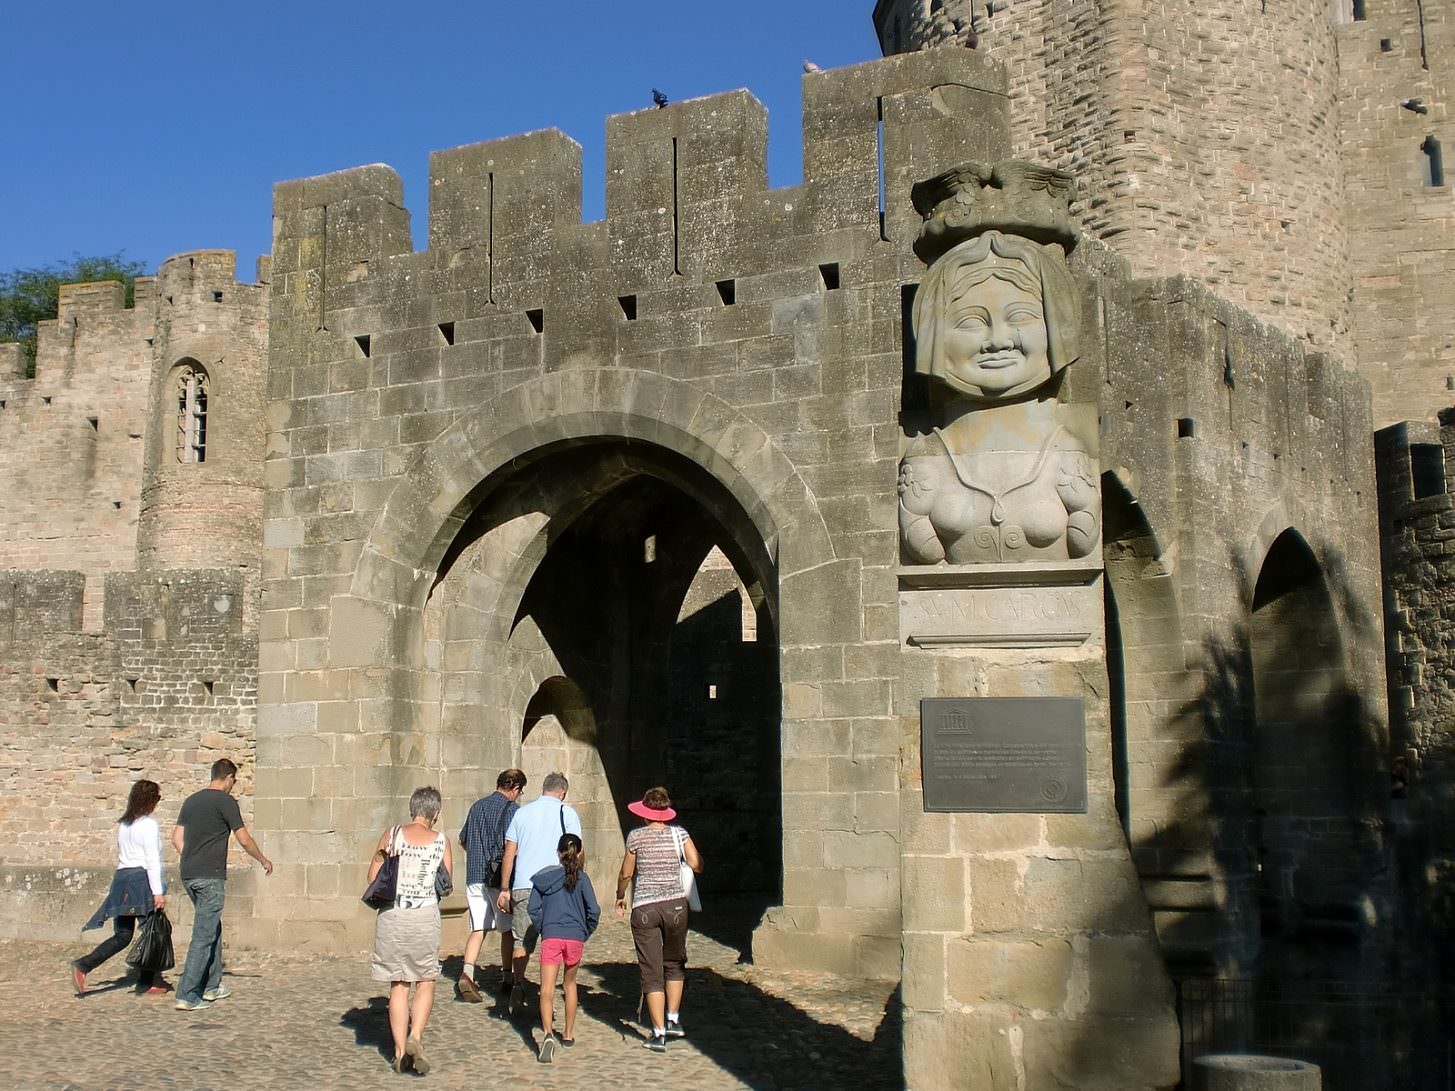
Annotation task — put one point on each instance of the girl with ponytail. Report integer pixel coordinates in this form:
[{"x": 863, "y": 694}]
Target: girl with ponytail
[{"x": 563, "y": 908}]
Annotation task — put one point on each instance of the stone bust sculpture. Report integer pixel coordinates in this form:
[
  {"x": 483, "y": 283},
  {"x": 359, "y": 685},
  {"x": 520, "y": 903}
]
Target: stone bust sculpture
[{"x": 1008, "y": 472}]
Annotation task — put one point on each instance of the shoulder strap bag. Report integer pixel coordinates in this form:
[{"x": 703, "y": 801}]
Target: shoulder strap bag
[
  {"x": 684, "y": 871},
  {"x": 381, "y": 891}
]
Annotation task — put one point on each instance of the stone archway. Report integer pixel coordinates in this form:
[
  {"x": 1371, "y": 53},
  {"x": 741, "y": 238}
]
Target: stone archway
[
  {"x": 421, "y": 673},
  {"x": 1304, "y": 766}
]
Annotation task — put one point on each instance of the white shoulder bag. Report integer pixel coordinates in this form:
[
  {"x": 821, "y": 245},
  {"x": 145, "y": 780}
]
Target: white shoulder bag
[{"x": 684, "y": 871}]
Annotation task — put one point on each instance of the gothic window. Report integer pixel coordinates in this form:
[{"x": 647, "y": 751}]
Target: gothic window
[{"x": 191, "y": 414}]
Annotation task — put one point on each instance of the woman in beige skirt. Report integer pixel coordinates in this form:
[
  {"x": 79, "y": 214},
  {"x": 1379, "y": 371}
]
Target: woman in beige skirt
[{"x": 407, "y": 934}]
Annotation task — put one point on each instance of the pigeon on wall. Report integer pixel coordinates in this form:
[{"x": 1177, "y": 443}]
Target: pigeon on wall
[{"x": 659, "y": 98}]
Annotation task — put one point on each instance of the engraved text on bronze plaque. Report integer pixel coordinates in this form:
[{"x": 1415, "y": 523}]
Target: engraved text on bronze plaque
[{"x": 1004, "y": 754}]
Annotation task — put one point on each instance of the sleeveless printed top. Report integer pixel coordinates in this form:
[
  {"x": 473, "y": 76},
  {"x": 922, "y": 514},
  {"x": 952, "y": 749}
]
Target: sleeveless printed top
[
  {"x": 417, "y": 867},
  {"x": 658, "y": 877}
]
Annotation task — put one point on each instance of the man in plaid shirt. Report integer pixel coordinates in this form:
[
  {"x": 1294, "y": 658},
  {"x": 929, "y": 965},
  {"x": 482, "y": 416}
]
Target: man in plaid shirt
[{"x": 483, "y": 838}]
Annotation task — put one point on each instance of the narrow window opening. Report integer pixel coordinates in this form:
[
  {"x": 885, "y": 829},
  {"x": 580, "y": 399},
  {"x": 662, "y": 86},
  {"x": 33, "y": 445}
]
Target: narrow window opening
[
  {"x": 447, "y": 331},
  {"x": 830, "y": 274},
  {"x": 362, "y": 340},
  {"x": 628, "y": 307},
  {"x": 131, "y": 683},
  {"x": 537, "y": 319},
  {"x": 1186, "y": 428},
  {"x": 649, "y": 549},
  {"x": 217, "y": 297},
  {"x": 1427, "y": 469},
  {"x": 2, "y": 403},
  {"x": 191, "y": 415},
  {"x": 54, "y": 684},
  {"x": 95, "y": 423},
  {"x": 490, "y": 237},
  {"x": 676, "y": 212},
  {"x": 1434, "y": 161},
  {"x": 879, "y": 159},
  {"x": 1385, "y": 45},
  {"x": 116, "y": 505},
  {"x": 712, "y": 693},
  {"x": 45, "y": 399},
  {"x": 1129, "y": 135},
  {"x": 169, "y": 300},
  {"x": 727, "y": 291},
  {"x": 207, "y": 685},
  {"x": 1359, "y": 13}
]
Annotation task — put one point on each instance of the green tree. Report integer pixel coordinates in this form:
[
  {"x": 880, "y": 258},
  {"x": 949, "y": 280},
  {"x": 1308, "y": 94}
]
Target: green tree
[{"x": 28, "y": 296}]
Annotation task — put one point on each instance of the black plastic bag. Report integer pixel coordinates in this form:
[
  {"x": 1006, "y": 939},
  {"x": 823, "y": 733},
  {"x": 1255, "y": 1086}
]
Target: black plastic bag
[{"x": 152, "y": 951}]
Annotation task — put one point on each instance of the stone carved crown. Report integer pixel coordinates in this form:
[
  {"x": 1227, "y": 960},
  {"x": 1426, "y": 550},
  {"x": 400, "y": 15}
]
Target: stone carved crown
[{"x": 1013, "y": 196}]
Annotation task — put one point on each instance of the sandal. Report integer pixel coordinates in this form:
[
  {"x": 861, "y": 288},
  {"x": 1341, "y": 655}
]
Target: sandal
[{"x": 414, "y": 1050}]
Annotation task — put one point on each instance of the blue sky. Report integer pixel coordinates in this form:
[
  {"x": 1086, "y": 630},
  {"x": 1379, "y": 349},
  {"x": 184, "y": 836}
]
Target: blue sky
[{"x": 154, "y": 127}]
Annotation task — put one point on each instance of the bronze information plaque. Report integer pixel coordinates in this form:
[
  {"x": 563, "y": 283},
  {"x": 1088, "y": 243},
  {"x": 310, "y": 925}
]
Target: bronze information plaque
[{"x": 1004, "y": 754}]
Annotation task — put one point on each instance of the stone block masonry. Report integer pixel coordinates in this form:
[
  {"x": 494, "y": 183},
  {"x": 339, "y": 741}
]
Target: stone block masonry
[
  {"x": 166, "y": 688},
  {"x": 1266, "y": 151}
]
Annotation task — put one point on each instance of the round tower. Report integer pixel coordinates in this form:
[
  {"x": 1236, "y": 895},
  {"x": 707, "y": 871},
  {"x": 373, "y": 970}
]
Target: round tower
[
  {"x": 202, "y": 491},
  {"x": 1203, "y": 134}
]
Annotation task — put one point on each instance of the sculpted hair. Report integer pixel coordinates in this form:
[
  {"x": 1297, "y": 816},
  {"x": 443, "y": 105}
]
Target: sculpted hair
[
  {"x": 143, "y": 800},
  {"x": 568, "y": 848},
  {"x": 1028, "y": 265},
  {"x": 555, "y": 782},
  {"x": 510, "y": 778},
  {"x": 223, "y": 768},
  {"x": 425, "y": 803}
]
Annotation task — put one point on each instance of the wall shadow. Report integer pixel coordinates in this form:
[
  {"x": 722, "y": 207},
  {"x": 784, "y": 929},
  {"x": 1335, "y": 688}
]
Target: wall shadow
[{"x": 1269, "y": 868}]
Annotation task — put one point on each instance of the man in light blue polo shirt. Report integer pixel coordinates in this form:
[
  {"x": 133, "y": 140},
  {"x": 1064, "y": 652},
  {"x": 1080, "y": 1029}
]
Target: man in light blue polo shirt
[{"x": 530, "y": 846}]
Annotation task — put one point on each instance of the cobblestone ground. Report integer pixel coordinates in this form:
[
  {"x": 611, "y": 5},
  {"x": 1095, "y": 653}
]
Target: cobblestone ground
[{"x": 320, "y": 1022}]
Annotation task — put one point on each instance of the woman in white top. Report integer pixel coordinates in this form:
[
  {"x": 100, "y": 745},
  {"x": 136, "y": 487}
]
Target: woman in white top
[
  {"x": 136, "y": 887},
  {"x": 407, "y": 934}
]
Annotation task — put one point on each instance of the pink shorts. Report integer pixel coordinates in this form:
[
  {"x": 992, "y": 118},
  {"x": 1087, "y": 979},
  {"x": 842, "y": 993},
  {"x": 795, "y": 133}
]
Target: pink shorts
[{"x": 562, "y": 950}]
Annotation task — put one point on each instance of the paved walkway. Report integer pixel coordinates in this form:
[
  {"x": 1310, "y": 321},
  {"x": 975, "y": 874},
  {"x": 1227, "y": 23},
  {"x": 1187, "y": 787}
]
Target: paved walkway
[{"x": 320, "y": 1022}]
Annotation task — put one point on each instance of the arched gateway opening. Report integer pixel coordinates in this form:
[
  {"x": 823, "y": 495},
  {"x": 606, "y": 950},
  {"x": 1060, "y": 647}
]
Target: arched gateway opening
[{"x": 589, "y": 616}]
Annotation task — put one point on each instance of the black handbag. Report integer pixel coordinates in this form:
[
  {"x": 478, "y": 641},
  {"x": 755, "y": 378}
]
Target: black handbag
[
  {"x": 444, "y": 885},
  {"x": 152, "y": 952},
  {"x": 380, "y": 892}
]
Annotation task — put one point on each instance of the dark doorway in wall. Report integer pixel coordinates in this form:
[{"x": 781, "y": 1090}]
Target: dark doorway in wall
[
  {"x": 640, "y": 649},
  {"x": 1303, "y": 775}
]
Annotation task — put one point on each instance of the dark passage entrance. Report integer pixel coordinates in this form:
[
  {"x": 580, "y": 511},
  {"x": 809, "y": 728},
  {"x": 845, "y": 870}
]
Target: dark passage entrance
[{"x": 641, "y": 649}]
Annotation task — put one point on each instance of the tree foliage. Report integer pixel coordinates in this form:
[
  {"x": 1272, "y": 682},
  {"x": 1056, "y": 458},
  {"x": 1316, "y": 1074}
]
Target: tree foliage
[{"x": 28, "y": 296}]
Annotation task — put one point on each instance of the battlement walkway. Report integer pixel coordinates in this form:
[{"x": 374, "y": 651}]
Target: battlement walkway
[{"x": 314, "y": 1021}]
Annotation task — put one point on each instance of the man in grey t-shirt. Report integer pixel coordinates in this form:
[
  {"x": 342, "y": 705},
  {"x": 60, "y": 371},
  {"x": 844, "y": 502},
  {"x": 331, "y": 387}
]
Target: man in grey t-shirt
[{"x": 204, "y": 823}]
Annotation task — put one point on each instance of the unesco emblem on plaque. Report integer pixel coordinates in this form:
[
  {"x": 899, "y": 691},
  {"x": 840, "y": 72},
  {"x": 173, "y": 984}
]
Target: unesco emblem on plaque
[{"x": 1004, "y": 754}]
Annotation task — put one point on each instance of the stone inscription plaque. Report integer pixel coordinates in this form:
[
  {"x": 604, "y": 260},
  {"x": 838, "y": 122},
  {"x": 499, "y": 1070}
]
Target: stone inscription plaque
[
  {"x": 1004, "y": 754},
  {"x": 1000, "y": 617}
]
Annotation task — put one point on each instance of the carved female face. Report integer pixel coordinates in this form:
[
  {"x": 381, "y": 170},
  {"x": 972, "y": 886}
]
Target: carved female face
[{"x": 995, "y": 340}]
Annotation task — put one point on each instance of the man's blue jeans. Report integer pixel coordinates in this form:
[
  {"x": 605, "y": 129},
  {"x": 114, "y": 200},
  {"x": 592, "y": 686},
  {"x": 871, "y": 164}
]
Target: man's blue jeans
[{"x": 203, "y": 969}]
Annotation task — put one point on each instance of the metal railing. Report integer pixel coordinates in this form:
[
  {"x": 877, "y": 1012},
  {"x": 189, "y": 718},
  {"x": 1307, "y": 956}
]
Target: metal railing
[{"x": 1363, "y": 1040}]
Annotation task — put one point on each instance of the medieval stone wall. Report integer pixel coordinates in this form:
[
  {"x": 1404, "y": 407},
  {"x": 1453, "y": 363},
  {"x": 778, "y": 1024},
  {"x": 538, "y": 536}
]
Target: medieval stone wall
[
  {"x": 1204, "y": 135},
  {"x": 1402, "y": 227},
  {"x": 108, "y": 673},
  {"x": 166, "y": 688},
  {"x": 1417, "y": 526},
  {"x": 71, "y": 447},
  {"x": 204, "y": 514}
]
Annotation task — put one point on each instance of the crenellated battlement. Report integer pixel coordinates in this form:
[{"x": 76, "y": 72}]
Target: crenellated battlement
[{"x": 686, "y": 186}]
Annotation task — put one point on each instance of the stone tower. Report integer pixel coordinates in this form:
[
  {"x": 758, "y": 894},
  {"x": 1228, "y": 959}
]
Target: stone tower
[
  {"x": 1204, "y": 134},
  {"x": 1288, "y": 153},
  {"x": 201, "y": 496}
]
